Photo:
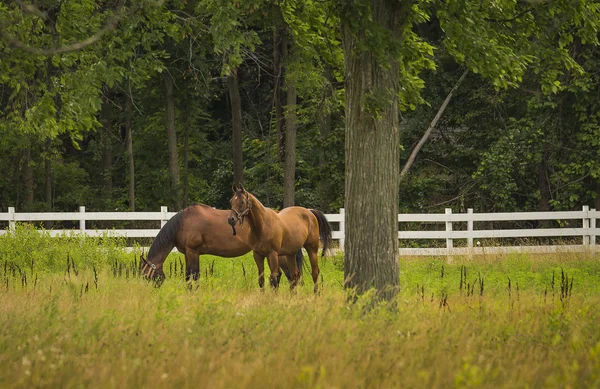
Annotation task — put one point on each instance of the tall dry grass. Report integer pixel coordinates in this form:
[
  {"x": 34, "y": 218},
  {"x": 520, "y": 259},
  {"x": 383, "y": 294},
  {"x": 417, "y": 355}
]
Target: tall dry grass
[
  {"x": 73, "y": 314},
  {"x": 106, "y": 330}
]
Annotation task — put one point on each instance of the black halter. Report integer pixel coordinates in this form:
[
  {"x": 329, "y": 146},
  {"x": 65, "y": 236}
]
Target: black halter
[{"x": 148, "y": 266}]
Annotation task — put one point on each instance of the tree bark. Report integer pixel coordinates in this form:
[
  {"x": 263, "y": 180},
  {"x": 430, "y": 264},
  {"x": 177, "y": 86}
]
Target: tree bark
[
  {"x": 372, "y": 160},
  {"x": 324, "y": 121},
  {"x": 236, "y": 124},
  {"x": 48, "y": 178},
  {"x": 440, "y": 112},
  {"x": 289, "y": 168},
  {"x": 51, "y": 17},
  {"x": 28, "y": 180},
  {"x": 107, "y": 162},
  {"x": 105, "y": 142},
  {"x": 186, "y": 180},
  {"x": 543, "y": 183},
  {"x": 129, "y": 145},
  {"x": 172, "y": 143},
  {"x": 597, "y": 202},
  {"x": 278, "y": 45}
]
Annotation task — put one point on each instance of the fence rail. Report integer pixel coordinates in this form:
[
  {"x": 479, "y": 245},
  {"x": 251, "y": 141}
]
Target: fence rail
[{"x": 586, "y": 218}]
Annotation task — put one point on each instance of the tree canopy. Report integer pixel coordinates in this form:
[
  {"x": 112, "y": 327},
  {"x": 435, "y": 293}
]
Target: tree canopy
[{"x": 119, "y": 104}]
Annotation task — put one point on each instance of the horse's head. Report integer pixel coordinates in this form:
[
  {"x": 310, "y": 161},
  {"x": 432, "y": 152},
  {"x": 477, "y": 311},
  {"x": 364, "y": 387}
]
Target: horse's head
[
  {"x": 241, "y": 205},
  {"x": 151, "y": 271}
]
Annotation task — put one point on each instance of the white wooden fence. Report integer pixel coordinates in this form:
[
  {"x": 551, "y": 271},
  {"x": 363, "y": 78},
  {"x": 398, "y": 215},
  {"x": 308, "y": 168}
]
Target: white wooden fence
[{"x": 587, "y": 232}]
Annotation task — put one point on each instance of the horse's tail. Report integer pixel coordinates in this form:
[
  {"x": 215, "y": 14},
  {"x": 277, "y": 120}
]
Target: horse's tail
[
  {"x": 165, "y": 240},
  {"x": 324, "y": 230}
]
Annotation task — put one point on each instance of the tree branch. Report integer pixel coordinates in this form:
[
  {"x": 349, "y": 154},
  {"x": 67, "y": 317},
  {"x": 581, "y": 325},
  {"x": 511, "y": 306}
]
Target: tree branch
[
  {"x": 413, "y": 154},
  {"x": 111, "y": 24}
]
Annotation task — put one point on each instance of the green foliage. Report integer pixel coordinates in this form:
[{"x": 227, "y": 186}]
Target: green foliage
[
  {"x": 496, "y": 140},
  {"x": 61, "y": 94},
  {"x": 314, "y": 28},
  {"x": 229, "y": 28},
  {"x": 493, "y": 49},
  {"x": 532, "y": 99}
]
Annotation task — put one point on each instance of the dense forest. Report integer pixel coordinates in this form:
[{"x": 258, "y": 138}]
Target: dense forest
[{"x": 130, "y": 106}]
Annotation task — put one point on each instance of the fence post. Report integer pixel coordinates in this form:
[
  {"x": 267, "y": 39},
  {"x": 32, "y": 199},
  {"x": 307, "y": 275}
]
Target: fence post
[
  {"x": 593, "y": 227},
  {"x": 164, "y": 218},
  {"x": 342, "y": 228},
  {"x": 82, "y": 219},
  {"x": 449, "y": 243},
  {"x": 470, "y": 229},
  {"x": 586, "y": 225},
  {"x": 12, "y": 225}
]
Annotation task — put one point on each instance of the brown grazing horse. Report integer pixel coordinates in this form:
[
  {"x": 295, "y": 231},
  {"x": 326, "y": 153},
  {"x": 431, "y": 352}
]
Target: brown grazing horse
[
  {"x": 276, "y": 235},
  {"x": 198, "y": 229}
]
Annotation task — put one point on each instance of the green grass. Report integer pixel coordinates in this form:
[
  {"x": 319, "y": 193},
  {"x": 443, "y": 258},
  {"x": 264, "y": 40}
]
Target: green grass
[{"x": 110, "y": 329}]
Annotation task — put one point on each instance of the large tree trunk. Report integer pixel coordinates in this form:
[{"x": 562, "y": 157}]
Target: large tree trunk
[
  {"x": 172, "y": 143},
  {"x": 28, "y": 180},
  {"x": 543, "y": 183},
  {"x": 236, "y": 124},
  {"x": 289, "y": 169},
  {"x": 129, "y": 145},
  {"x": 186, "y": 151},
  {"x": 597, "y": 202},
  {"x": 278, "y": 45},
  {"x": 107, "y": 164},
  {"x": 48, "y": 178},
  {"x": 324, "y": 122},
  {"x": 53, "y": 71},
  {"x": 372, "y": 160}
]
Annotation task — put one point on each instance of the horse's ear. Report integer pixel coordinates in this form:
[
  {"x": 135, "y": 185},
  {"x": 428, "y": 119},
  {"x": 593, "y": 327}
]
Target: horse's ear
[
  {"x": 241, "y": 187},
  {"x": 234, "y": 187}
]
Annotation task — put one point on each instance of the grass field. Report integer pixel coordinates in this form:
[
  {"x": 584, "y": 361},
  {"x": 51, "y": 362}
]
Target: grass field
[{"x": 87, "y": 322}]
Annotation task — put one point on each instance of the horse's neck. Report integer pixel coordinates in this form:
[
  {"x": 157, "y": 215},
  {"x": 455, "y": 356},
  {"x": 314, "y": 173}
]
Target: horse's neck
[
  {"x": 160, "y": 257},
  {"x": 258, "y": 215}
]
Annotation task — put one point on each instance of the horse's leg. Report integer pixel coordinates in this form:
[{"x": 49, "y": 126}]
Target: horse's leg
[
  {"x": 293, "y": 270},
  {"x": 260, "y": 264},
  {"x": 314, "y": 264},
  {"x": 284, "y": 268},
  {"x": 192, "y": 265},
  {"x": 273, "y": 259}
]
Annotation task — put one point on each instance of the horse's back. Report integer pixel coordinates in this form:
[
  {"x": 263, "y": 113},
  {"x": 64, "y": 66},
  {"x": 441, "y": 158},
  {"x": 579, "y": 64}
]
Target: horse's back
[
  {"x": 299, "y": 224},
  {"x": 206, "y": 210},
  {"x": 206, "y": 230},
  {"x": 291, "y": 216}
]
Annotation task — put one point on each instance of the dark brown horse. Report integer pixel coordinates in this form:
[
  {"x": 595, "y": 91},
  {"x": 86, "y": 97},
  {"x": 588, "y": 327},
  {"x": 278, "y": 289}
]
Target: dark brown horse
[
  {"x": 198, "y": 229},
  {"x": 277, "y": 235}
]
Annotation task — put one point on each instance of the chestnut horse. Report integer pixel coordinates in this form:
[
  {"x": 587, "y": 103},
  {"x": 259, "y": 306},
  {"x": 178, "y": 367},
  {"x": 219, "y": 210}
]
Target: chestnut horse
[
  {"x": 198, "y": 229},
  {"x": 276, "y": 235}
]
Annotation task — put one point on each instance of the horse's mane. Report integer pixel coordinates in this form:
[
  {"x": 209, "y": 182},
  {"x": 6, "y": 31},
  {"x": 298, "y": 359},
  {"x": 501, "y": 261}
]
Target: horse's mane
[{"x": 166, "y": 235}]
